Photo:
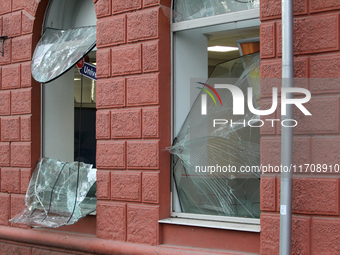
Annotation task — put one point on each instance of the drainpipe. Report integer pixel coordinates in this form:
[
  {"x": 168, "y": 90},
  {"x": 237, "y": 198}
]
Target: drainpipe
[{"x": 287, "y": 132}]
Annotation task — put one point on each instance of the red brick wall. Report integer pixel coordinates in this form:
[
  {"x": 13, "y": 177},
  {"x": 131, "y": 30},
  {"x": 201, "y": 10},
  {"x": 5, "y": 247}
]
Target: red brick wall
[
  {"x": 316, "y": 138},
  {"x": 19, "y": 113},
  {"x": 133, "y": 119}
]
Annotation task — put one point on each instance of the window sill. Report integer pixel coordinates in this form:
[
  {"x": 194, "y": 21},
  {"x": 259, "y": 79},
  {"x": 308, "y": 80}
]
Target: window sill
[{"x": 249, "y": 227}]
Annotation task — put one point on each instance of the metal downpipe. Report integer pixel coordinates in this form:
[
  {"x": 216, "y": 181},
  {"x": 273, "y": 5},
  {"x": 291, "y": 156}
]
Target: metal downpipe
[{"x": 287, "y": 132}]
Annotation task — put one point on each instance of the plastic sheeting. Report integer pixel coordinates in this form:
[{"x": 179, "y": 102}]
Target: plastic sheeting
[
  {"x": 59, "y": 194},
  {"x": 199, "y": 146},
  {"x": 59, "y": 50},
  {"x": 194, "y": 9}
]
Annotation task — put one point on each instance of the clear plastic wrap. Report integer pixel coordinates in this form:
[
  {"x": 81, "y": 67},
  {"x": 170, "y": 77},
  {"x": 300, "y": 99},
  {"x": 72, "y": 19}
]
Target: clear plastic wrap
[
  {"x": 194, "y": 9},
  {"x": 59, "y": 194},
  {"x": 59, "y": 50},
  {"x": 199, "y": 145}
]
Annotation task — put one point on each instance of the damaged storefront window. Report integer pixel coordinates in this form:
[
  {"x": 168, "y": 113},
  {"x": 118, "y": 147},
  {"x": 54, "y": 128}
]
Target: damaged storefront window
[
  {"x": 59, "y": 193},
  {"x": 208, "y": 159},
  {"x": 194, "y": 9}
]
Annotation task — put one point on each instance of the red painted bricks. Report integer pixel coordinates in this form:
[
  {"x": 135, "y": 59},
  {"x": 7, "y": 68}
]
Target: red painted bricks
[
  {"x": 326, "y": 150},
  {"x": 142, "y": 90},
  {"x": 5, "y": 102},
  {"x": 29, "y": 5},
  {"x": 27, "y": 23},
  {"x": 150, "y": 122},
  {"x": 103, "y": 185},
  {"x": 307, "y": 201},
  {"x": 111, "y": 221},
  {"x": 142, "y": 154},
  {"x": 26, "y": 77},
  {"x": 11, "y": 77},
  {"x": 17, "y": 205},
  {"x": 111, "y": 154},
  {"x": 103, "y": 63},
  {"x": 4, "y": 154},
  {"x": 150, "y": 187},
  {"x": 267, "y": 40},
  {"x": 271, "y": 9},
  {"x": 10, "y": 129},
  {"x": 325, "y": 235},
  {"x": 271, "y": 151},
  {"x": 142, "y": 225},
  {"x": 6, "y": 59},
  {"x": 126, "y": 123},
  {"x": 103, "y": 8},
  {"x": 268, "y": 193},
  {"x": 147, "y": 3},
  {"x": 319, "y": 6},
  {"x": 21, "y": 154},
  {"x": 25, "y": 128},
  {"x": 150, "y": 57},
  {"x": 11, "y": 24},
  {"x": 25, "y": 176},
  {"x": 5, "y": 203},
  {"x": 126, "y": 59},
  {"x": 270, "y": 234},
  {"x": 111, "y": 31},
  {"x": 313, "y": 34},
  {"x": 127, "y": 5},
  {"x": 21, "y": 101},
  {"x": 22, "y": 47},
  {"x": 126, "y": 186},
  {"x": 323, "y": 201},
  {"x": 272, "y": 69},
  {"x": 110, "y": 93},
  {"x": 103, "y": 124},
  {"x": 10, "y": 180},
  {"x": 142, "y": 25},
  {"x": 5, "y": 6}
]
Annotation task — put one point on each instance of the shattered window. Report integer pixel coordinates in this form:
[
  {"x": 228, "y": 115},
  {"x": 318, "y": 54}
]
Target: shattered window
[
  {"x": 207, "y": 159},
  {"x": 59, "y": 50},
  {"x": 204, "y": 157},
  {"x": 59, "y": 193},
  {"x": 194, "y": 9}
]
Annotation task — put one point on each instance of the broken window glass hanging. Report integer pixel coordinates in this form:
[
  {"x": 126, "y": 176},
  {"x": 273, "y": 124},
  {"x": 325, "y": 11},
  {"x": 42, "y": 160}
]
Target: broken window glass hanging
[
  {"x": 207, "y": 160},
  {"x": 59, "y": 50},
  {"x": 194, "y": 9},
  {"x": 57, "y": 195}
]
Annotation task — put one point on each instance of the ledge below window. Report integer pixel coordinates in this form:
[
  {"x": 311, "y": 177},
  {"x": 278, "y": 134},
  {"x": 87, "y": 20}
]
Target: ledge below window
[{"x": 213, "y": 224}]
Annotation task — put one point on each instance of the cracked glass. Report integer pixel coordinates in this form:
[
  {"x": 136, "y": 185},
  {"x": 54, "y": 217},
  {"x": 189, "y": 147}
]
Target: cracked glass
[
  {"x": 199, "y": 145},
  {"x": 59, "y": 50},
  {"x": 194, "y": 9},
  {"x": 58, "y": 194}
]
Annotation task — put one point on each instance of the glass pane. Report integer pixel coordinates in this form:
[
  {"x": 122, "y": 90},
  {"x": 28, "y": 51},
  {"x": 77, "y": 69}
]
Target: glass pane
[
  {"x": 201, "y": 152},
  {"x": 194, "y": 9},
  {"x": 59, "y": 193},
  {"x": 59, "y": 50}
]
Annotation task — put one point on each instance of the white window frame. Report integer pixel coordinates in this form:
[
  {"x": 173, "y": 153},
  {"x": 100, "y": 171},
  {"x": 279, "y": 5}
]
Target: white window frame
[{"x": 228, "y": 21}]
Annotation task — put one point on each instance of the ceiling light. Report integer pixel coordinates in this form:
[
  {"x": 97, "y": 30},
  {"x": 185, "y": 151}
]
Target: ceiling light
[
  {"x": 222, "y": 48},
  {"x": 77, "y": 79}
]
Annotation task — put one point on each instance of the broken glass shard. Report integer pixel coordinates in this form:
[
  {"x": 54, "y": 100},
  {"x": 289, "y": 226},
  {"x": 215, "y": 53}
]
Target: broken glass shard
[
  {"x": 59, "y": 50},
  {"x": 58, "y": 194},
  {"x": 194, "y": 9}
]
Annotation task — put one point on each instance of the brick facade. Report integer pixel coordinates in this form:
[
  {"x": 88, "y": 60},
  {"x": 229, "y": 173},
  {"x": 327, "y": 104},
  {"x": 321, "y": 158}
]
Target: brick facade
[
  {"x": 133, "y": 128},
  {"x": 315, "y": 199}
]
